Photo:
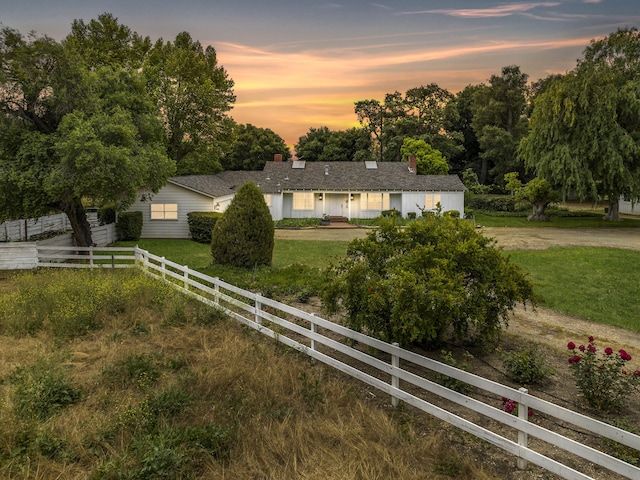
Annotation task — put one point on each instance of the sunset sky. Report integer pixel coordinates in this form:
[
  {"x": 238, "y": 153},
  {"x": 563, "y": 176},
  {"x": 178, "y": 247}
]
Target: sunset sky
[{"x": 299, "y": 64}]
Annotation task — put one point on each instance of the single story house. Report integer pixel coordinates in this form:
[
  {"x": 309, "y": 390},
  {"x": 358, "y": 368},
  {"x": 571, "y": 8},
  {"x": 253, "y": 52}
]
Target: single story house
[{"x": 301, "y": 189}]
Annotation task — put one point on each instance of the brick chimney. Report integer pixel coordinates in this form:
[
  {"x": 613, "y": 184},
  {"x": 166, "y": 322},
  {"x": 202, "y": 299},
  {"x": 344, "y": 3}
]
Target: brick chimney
[
  {"x": 413, "y": 165},
  {"x": 277, "y": 157}
]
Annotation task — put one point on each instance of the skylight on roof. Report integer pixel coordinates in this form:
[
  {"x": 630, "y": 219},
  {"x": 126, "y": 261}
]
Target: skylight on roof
[
  {"x": 298, "y": 164},
  {"x": 371, "y": 165}
]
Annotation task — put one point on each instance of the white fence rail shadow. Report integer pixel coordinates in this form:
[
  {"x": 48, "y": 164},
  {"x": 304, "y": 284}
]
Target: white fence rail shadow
[{"x": 398, "y": 372}]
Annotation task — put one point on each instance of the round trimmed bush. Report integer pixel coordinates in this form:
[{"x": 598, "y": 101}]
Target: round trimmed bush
[{"x": 244, "y": 236}]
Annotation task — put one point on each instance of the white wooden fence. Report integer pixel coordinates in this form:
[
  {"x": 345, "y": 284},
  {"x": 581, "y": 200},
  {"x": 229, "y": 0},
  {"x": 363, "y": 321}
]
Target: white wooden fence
[
  {"x": 25, "y": 255},
  {"x": 398, "y": 372},
  {"x": 19, "y": 230}
]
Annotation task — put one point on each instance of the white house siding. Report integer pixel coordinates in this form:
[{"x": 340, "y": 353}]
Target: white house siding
[
  {"x": 627, "y": 208},
  {"x": 187, "y": 201},
  {"x": 276, "y": 206},
  {"x": 415, "y": 201}
]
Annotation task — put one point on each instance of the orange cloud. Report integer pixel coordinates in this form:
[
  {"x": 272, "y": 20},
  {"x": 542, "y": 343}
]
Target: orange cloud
[{"x": 290, "y": 92}]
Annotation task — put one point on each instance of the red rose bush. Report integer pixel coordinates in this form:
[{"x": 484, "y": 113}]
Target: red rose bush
[{"x": 603, "y": 380}]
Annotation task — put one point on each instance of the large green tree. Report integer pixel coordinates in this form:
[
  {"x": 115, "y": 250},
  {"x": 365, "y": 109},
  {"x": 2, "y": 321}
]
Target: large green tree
[
  {"x": 429, "y": 161},
  {"x": 194, "y": 94},
  {"x": 422, "y": 113},
  {"x": 325, "y": 145},
  {"x": 584, "y": 133},
  {"x": 252, "y": 147},
  {"x": 104, "y": 41},
  {"x": 499, "y": 122},
  {"x": 71, "y": 133}
]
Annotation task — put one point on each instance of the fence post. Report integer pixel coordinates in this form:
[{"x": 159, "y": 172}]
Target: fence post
[
  {"x": 258, "y": 318},
  {"x": 163, "y": 267},
  {"x": 186, "y": 277},
  {"x": 91, "y": 256},
  {"x": 523, "y": 437},
  {"x": 314, "y": 329},
  {"x": 395, "y": 381},
  {"x": 216, "y": 288}
]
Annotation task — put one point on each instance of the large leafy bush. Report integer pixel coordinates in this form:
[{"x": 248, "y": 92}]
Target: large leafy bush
[
  {"x": 244, "y": 236},
  {"x": 434, "y": 279}
]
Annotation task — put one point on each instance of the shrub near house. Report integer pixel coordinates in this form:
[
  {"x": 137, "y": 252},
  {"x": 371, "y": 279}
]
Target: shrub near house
[
  {"x": 201, "y": 225},
  {"x": 244, "y": 236}
]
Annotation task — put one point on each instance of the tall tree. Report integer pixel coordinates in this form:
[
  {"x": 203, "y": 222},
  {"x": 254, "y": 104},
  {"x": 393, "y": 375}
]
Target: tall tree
[
  {"x": 462, "y": 123},
  {"x": 584, "y": 133},
  {"x": 73, "y": 133},
  {"x": 103, "y": 41},
  {"x": 253, "y": 147},
  {"x": 325, "y": 145},
  {"x": 194, "y": 94},
  {"x": 421, "y": 114},
  {"x": 499, "y": 122}
]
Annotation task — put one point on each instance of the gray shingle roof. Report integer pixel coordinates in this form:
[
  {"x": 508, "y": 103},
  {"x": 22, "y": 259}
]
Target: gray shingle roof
[{"x": 322, "y": 176}]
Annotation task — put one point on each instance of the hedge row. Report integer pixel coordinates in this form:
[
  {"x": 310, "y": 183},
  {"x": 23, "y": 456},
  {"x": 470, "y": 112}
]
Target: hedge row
[
  {"x": 201, "y": 225},
  {"x": 129, "y": 226}
]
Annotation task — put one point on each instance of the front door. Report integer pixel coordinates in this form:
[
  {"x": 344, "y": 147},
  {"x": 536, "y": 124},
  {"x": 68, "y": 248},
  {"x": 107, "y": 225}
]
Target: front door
[{"x": 337, "y": 205}]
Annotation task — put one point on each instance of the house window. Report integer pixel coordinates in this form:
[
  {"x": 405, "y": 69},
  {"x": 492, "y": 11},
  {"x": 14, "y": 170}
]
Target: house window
[
  {"x": 164, "y": 211},
  {"x": 267, "y": 199},
  {"x": 432, "y": 200},
  {"x": 374, "y": 201},
  {"x": 303, "y": 200}
]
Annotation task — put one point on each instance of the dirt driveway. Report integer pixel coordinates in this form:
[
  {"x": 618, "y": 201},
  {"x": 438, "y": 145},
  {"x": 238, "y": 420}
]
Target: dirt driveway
[{"x": 509, "y": 238}]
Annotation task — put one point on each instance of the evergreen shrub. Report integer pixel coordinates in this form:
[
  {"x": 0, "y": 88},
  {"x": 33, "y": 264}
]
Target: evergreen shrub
[
  {"x": 129, "y": 226},
  {"x": 244, "y": 236},
  {"x": 201, "y": 225}
]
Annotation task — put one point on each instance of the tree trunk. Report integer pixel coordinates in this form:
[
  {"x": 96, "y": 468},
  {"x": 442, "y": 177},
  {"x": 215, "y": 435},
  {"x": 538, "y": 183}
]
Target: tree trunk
[
  {"x": 538, "y": 214},
  {"x": 613, "y": 213},
  {"x": 79, "y": 223}
]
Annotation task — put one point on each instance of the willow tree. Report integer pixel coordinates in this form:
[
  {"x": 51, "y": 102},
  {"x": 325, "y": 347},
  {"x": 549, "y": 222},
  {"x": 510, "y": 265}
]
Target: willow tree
[{"x": 584, "y": 132}]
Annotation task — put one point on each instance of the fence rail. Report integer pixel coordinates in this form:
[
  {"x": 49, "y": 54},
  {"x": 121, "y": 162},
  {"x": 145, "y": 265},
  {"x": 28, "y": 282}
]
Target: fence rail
[{"x": 400, "y": 373}]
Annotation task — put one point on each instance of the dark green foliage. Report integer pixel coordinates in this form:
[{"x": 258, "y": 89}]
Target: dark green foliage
[
  {"x": 297, "y": 222},
  {"x": 525, "y": 365},
  {"x": 129, "y": 226},
  {"x": 393, "y": 213},
  {"x": 107, "y": 215},
  {"x": 138, "y": 370},
  {"x": 41, "y": 390},
  {"x": 434, "y": 279},
  {"x": 244, "y": 236},
  {"x": 201, "y": 225},
  {"x": 253, "y": 147},
  {"x": 492, "y": 203},
  {"x": 452, "y": 213}
]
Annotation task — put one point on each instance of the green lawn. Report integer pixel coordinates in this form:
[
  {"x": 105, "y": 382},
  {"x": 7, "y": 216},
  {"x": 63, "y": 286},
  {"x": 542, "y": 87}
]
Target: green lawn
[
  {"x": 557, "y": 222},
  {"x": 598, "y": 284}
]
